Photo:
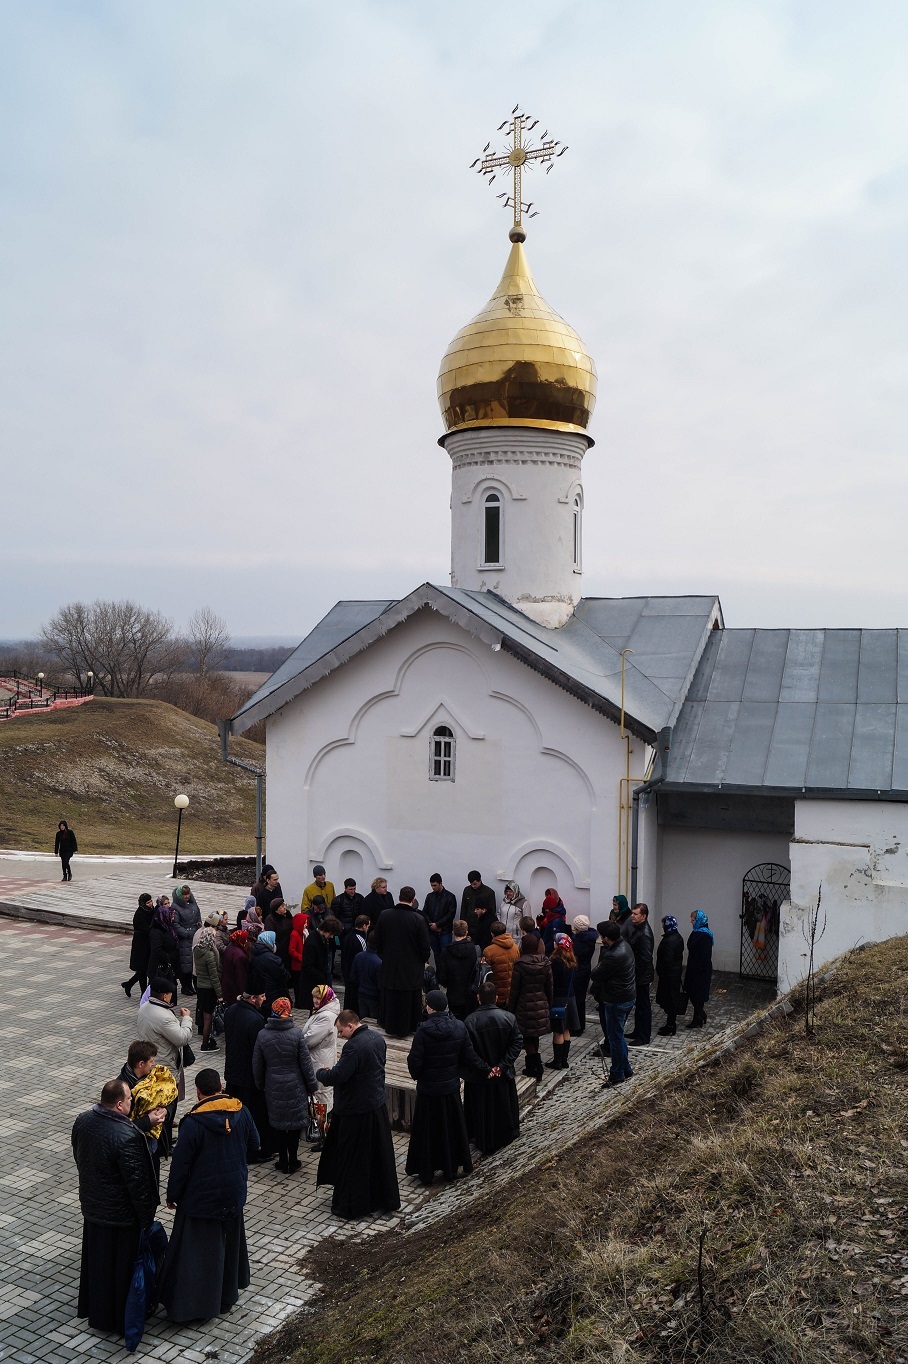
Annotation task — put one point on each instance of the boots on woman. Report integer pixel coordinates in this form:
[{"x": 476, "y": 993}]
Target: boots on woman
[
  {"x": 557, "y": 1052},
  {"x": 565, "y": 1050}
]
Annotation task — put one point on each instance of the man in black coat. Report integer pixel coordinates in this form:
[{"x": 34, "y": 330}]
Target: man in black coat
[
  {"x": 402, "y": 942},
  {"x": 613, "y": 983},
  {"x": 490, "y": 1103},
  {"x": 479, "y": 908},
  {"x": 118, "y": 1193},
  {"x": 358, "y": 1156},
  {"x": 352, "y": 945},
  {"x": 641, "y": 942},
  {"x": 347, "y": 907},
  {"x": 439, "y": 912},
  {"x": 207, "y": 1263},
  {"x": 440, "y": 1054},
  {"x": 243, "y": 1022}
]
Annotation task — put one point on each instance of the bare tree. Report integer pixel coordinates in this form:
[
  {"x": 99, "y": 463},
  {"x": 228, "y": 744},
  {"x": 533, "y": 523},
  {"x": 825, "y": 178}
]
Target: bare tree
[
  {"x": 207, "y": 641},
  {"x": 123, "y": 644}
]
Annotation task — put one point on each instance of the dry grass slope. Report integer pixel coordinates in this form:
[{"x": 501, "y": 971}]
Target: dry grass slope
[
  {"x": 789, "y": 1160},
  {"x": 112, "y": 769}
]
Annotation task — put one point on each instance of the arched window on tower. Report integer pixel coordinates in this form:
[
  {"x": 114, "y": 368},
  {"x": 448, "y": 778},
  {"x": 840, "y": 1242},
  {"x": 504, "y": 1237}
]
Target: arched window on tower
[
  {"x": 441, "y": 754},
  {"x": 491, "y": 531},
  {"x": 578, "y": 533}
]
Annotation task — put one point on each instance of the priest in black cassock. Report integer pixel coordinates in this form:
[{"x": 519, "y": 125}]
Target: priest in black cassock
[
  {"x": 402, "y": 942},
  {"x": 490, "y": 1102},
  {"x": 441, "y": 1053}
]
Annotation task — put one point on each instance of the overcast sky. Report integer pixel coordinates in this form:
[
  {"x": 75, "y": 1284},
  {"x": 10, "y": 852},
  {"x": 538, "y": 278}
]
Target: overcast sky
[{"x": 237, "y": 235}]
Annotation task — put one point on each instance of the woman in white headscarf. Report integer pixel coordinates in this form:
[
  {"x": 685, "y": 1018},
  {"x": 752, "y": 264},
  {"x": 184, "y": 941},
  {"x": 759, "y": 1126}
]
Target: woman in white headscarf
[{"x": 513, "y": 908}]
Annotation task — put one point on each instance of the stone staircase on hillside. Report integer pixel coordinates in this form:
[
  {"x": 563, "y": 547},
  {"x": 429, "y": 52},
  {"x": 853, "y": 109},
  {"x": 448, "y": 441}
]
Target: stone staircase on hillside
[{"x": 22, "y": 696}]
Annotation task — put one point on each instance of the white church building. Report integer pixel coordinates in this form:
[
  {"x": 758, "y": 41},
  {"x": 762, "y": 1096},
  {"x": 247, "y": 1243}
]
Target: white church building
[{"x": 505, "y": 722}]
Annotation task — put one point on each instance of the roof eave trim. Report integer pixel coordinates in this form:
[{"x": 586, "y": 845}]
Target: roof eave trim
[{"x": 788, "y": 792}]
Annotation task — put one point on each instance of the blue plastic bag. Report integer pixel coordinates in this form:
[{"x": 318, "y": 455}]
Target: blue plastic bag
[{"x": 142, "y": 1299}]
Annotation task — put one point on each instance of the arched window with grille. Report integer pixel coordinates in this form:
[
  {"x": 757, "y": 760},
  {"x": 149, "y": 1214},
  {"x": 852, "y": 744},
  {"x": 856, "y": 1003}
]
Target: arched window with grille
[
  {"x": 441, "y": 754},
  {"x": 578, "y": 532},
  {"x": 492, "y": 531}
]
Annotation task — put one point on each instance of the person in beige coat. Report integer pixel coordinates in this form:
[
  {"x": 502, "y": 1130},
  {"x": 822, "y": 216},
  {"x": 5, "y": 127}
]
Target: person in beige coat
[
  {"x": 156, "y": 1022},
  {"x": 321, "y": 1039}
]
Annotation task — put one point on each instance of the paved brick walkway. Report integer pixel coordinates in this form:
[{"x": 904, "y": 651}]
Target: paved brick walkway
[{"x": 65, "y": 1026}]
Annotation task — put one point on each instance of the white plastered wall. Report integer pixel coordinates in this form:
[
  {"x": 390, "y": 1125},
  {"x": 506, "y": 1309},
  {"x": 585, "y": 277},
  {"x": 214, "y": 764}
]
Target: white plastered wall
[
  {"x": 858, "y": 851},
  {"x": 536, "y": 784},
  {"x": 704, "y": 869}
]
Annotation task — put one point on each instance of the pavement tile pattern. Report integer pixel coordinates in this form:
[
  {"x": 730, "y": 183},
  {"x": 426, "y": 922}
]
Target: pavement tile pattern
[{"x": 66, "y": 1026}]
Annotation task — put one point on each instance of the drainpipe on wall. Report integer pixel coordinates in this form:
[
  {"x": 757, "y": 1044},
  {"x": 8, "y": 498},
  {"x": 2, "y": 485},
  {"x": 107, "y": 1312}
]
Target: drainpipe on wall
[
  {"x": 224, "y": 731},
  {"x": 660, "y": 771}
]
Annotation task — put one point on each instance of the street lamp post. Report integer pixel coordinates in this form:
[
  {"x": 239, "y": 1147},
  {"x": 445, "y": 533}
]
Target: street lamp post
[
  {"x": 180, "y": 802},
  {"x": 40, "y": 681},
  {"x": 91, "y": 680}
]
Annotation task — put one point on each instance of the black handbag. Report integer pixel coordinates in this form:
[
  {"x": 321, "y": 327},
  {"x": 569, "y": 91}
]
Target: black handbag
[{"x": 187, "y": 1056}]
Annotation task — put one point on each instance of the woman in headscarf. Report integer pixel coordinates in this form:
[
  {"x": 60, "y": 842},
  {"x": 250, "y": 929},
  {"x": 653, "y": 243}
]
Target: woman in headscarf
[
  {"x": 699, "y": 974},
  {"x": 669, "y": 969},
  {"x": 163, "y": 946},
  {"x": 141, "y": 946},
  {"x": 564, "y": 1007},
  {"x": 248, "y": 912},
  {"x": 514, "y": 907},
  {"x": 235, "y": 966},
  {"x": 585, "y": 939},
  {"x": 531, "y": 999},
  {"x": 621, "y": 910},
  {"x": 187, "y": 920},
  {"x": 206, "y": 961},
  {"x": 552, "y": 920},
  {"x": 267, "y": 975},
  {"x": 283, "y": 1069},
  {"x": 321, "y": 1039}
]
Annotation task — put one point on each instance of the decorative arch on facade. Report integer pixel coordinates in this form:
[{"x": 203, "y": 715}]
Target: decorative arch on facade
[
  {"x": 350, "y": 736},
  {"x": 546, "y": 748},
  {"x": 545, "y": 849},
  {"x": 348, "y": 837},
  {"x": 492, "y": 483}
]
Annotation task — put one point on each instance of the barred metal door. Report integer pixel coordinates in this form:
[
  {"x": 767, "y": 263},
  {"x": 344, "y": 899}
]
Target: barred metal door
[{"x": 765, "y": 889}]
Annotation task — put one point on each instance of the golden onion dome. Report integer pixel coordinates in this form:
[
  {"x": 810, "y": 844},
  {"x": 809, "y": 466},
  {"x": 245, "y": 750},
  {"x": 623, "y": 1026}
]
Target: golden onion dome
[{"x": 517, "y": 363}]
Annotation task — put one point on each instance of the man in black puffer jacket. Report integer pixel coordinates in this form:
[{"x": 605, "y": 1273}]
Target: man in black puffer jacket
[
  {"x": 243, "y": 1022},
  {"x": 441, "y": 1053},
  {"x": 207, "y": 1263},
  {"x": 118, "y": 1193},
  {"x": 613, "y": 983}
]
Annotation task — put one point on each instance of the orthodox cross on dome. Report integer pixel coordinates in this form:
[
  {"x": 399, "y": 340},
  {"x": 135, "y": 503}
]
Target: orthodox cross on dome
[{"x": 521, "y": 155}]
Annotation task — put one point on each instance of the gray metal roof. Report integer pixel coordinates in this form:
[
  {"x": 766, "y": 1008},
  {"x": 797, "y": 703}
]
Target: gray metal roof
[
  {"x": 667, "y": 635},
  {"x": 796, "y": 710}
]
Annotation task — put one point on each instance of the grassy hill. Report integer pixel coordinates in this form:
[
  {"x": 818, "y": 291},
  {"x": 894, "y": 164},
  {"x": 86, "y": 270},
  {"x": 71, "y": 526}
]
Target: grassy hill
[
  {"x": 754, "y": 1211},
  {"x": 112, "y": 769}
]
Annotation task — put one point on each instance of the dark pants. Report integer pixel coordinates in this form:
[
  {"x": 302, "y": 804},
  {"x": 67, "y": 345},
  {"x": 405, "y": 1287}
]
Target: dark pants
[
  {"x": 643, "y": 1014},
  {"x": 137, "y": 979},
  {"x": 64, "y": 863},
  {"x": 254, "y": 1099},
  {"x": 287, "y": 1144},
  {"x": 615, "y": 1018},
  {"x": 439, "y": 942}
]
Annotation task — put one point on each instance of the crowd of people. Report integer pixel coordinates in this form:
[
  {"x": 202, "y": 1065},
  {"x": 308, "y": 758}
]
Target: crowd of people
[{"x": 474, "y": 985}]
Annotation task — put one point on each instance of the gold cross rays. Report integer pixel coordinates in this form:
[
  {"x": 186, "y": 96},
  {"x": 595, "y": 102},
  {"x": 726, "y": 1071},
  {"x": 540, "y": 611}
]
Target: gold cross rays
[{"x": 521, "y": 155}]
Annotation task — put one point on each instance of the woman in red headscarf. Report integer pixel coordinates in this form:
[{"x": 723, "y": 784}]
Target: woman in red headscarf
[{"x": 552, "y": 920}]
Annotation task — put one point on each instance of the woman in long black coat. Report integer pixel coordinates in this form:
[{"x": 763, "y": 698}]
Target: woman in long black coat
[
  {"x": 163, "y": 944},
  {"x": 669, "y": 970},
  {"x": 379, "y": 898},
  {"x": 65, "y": 846},
  {"x": 585, "y": 939},
  {"x": 699, "y": 974},
  {"x": 141, "y": 945}
]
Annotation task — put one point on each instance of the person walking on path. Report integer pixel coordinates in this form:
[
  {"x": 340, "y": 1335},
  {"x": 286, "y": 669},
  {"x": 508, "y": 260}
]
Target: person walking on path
[
  {"x": 669, "y": 970},
  {"x": 320, "y": 886},
  {"x": 141, "y": 946},
  {"x": 65, "y": 846},
  {"x": 531, "y": 999},
  {"x": 235, "y": 966},
  {"x": 479, "y": 908},
  {"x": 501, "y": 954},
  {"x": 514, "y": 907},
  {"x": 378, "y": 899},
  {"x": 266, "y": 973},
  {"x": 118, "y": 1195},
  {"x": 321, "y": 1039},
  {"x": 699, "y": 974},
  {"x": 157, "y": 1023},
  {"x": 365, "y": 980},
  {"x": 207, "y": 971},
  {"x": 642, "y": 943},
  {"x": 490, "y": 1103},
  {"x": 585, "y": 939},
  {"x": 440, "y": 1054},
  {"x": 243, "y": 1022},
  {"x": 402, "y": 942},
  {"x": 282, "y": 1067},
  {"x": 207, "y": 1262},
  {"x": 614, "y": 985},
  {"x": 564, "y": 1006},
  {"x": 439, "y": 912},
  {"x": 358, "y": 1158},
  {"x": 163, "y": 943},
  {"x": 187, "y": 920}
]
